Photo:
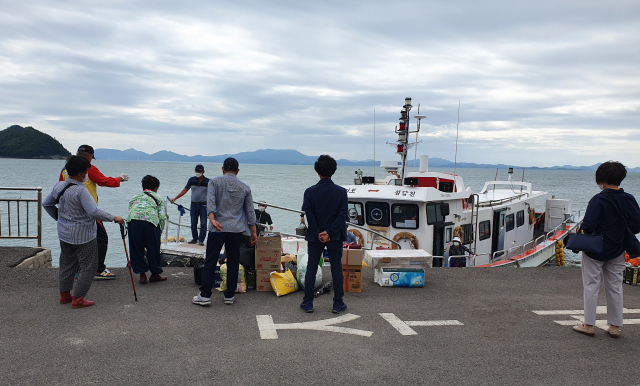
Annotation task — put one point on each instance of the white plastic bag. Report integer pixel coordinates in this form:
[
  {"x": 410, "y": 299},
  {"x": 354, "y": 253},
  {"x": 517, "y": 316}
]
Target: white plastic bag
[{"x": 302, "y": 260}]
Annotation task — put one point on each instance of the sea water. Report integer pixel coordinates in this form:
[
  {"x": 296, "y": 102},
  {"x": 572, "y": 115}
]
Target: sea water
[{"x": 281, "y": 185}]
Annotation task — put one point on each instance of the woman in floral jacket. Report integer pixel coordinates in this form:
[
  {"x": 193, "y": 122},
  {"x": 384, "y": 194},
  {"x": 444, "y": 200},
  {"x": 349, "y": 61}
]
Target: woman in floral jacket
[{"x": 146, "y": 221}]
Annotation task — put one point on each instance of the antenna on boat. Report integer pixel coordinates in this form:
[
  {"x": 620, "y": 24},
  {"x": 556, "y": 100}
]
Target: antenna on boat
[
  {"x": 455, "y": 159},
  {"x": 374, "y": 144},
  {"x": 415, "y": 153}
]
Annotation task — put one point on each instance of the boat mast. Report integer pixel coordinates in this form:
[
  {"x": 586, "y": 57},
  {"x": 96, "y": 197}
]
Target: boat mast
[{"x": 403, "y": 135}]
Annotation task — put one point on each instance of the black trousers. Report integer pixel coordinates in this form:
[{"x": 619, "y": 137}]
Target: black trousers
[
  {"x": 103, "y": 242},
  {"x": 315, "y": 251},
  {"x": 143, "y": 235},
  {"x": 215, "y": 241}
]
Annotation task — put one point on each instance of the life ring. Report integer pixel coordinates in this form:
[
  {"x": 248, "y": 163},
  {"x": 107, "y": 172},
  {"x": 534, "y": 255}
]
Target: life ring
[
  {"x": 405, "y": 235},
  {"x": 532, "y": 215},
  {"x": 358, "y": 235}
]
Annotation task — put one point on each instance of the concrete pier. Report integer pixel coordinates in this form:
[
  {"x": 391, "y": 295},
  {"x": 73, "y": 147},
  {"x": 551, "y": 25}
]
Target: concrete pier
[{"x": 466, "y": 326}]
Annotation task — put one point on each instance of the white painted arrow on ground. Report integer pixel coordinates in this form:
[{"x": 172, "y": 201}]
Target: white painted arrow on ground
[
  {"x": 268, "y": 329},
  {"x": 404, "y": 327},
  {"x": 579, "y": 315}
]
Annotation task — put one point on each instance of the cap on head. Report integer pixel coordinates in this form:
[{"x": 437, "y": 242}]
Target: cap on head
[
  {"x": 199, "y": 168},
  {"x": 456, "y": 239},
  {"x": 86, "y": 149},
  {"x": 230, "y": 164}
]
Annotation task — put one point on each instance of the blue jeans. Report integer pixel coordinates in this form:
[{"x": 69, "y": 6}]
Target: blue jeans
[
  {"x": 231, "y": 242},
  {"x": 334, "y": 248},
  {"x": 198, "y": 211}
]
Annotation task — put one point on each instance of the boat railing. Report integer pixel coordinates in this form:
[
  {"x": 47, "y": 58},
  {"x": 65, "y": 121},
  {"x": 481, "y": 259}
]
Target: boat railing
[
  {"x": 24, "y": 216},
  {"x": 515, "y": 251},
  {"x": 501, "y": 201},
  {"x": 471, "y": 260},
  {"x": 507, "y": 254}
]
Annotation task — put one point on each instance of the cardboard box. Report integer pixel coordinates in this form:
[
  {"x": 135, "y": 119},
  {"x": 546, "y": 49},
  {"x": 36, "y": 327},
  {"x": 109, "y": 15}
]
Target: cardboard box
[
  {"x": 352, "y": 275},
  {"x": 269, "y": 241},
  {"x": 263, "y": 280},
  {"x": 268, "y": 258},
  {"x": 354, "y": 256},
  {"x": 401, "y": 277},
  {"x": 402, "y": 258},
  {"x": 630, "y": 275}
]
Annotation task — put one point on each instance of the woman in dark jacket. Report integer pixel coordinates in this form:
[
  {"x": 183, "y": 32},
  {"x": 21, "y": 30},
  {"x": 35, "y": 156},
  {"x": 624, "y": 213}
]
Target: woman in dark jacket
[{"x": 604, "y": 216}]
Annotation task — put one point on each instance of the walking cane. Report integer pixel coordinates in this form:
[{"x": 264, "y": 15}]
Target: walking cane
[{"x": 123, "y": 233}]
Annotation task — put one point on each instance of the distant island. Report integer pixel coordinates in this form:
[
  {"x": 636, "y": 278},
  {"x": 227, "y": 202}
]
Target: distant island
[
  {"x": 27, "y": 142},
  {"x": 294, "y": 157}
]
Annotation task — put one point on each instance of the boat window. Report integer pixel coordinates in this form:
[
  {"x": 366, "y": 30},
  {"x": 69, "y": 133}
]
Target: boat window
[
  {"x": 501, "y": 219},
  {"x": 404, "y": 216},
  {"x": 445, "y": 187},
  {"x": 510, "y": 222},
  {"x": 520, "y": 218},
  {"x": 484, "y": 229},
  {"x": 377, "y": 213},
  {"x": 467, "y": 230},
  {"x": 447, "y": 235},
  {"x": 354, "y": 212},
  {"x": 434, "y": 213}
]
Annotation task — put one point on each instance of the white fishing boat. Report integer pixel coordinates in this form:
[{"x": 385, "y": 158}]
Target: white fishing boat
[{"x": 426, "y": 210}]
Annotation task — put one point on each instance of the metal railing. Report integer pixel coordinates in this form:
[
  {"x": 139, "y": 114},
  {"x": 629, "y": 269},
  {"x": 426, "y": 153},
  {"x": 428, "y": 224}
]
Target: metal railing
[
  {"x": 179, "y": 225},
  {"x": 19, "y": 219},
  {"x": 508, "y": 254}
]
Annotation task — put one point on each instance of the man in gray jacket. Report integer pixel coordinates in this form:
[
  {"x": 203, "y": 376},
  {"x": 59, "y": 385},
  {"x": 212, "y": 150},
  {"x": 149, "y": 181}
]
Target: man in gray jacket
[{"x": 230, "y": 211}]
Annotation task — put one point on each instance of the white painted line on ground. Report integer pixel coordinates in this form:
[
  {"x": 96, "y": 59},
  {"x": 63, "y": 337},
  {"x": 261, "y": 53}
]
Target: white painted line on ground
[
  {"x": 398, "y": 324},
  {"x": 268, "y": 329},
  {"x": 599, "y": 310},
  {"x": 404, "y": 327},
  {"x": 434, "y": 323}
]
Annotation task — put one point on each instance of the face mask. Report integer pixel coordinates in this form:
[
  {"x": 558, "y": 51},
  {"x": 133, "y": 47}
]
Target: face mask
[
  {"x": 601, "y": 187},
  {"x": 262, "y": 208},
  {"x": 85, "y": 178},
  {"x": 198, "y": 175},
  {"x": 456, "y": 243}
]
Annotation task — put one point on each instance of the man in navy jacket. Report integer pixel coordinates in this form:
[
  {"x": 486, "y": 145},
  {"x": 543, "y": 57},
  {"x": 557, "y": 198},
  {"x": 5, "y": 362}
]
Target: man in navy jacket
[{"x": 325, "y": 205}]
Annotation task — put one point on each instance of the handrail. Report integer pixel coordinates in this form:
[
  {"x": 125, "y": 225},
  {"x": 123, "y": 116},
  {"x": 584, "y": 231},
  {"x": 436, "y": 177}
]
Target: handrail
[
  {"x": 23, "y": 188},
  {"x": 18, "y": 201},
  {"x": 467, "y": 257}
]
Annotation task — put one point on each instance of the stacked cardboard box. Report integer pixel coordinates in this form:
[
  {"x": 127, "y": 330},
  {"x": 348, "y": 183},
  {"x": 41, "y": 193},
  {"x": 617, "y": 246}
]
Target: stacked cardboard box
[
  {"x": 399, "y": 267},
  {"x": 268, "y": 259},
  {"x": 352, "y": 269}
]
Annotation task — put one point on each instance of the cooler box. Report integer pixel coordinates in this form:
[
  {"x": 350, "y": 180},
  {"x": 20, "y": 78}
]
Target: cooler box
[{"x": 401, "y": 277}]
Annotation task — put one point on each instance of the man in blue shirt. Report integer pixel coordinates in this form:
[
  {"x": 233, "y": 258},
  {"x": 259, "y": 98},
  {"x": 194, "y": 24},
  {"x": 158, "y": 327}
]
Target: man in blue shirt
[
  {"x": 198, "y": 209},
  {"x": 325, "y": 205},
  {"x": 230, "y": 211}
]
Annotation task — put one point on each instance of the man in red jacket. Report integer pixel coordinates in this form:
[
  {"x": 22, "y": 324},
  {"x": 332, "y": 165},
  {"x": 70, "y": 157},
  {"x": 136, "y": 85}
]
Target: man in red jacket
[{"x": 94, "y": 179}]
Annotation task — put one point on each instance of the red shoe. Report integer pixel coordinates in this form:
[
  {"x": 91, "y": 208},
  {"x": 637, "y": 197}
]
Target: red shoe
[
  {"x": 81, "y": 303},
  {"x": 157, "y": 278},
  {"x": 143, "y": 278},
  {"x": 65, "y": 297}
]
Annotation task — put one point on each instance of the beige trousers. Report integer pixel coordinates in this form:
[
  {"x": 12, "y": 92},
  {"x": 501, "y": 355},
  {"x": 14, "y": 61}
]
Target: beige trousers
[{"x": 593, "y": 271}]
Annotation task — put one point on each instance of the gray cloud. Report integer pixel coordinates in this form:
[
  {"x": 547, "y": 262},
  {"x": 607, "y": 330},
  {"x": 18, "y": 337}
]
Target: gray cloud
[{"x": 541, "y": 83}]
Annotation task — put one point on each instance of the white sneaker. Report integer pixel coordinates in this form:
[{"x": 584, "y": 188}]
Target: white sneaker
[
  {"x": 201, "y": 301},
  {"x": 229, "y": 300}
]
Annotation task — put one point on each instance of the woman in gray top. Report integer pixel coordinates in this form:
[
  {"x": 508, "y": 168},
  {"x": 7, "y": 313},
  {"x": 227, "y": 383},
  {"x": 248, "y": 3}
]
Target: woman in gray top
[{"x": 76, "y": 212}]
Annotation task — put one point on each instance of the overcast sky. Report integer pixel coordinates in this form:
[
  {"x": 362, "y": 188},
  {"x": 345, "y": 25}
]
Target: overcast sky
[{"x": 540, "y": 82}]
